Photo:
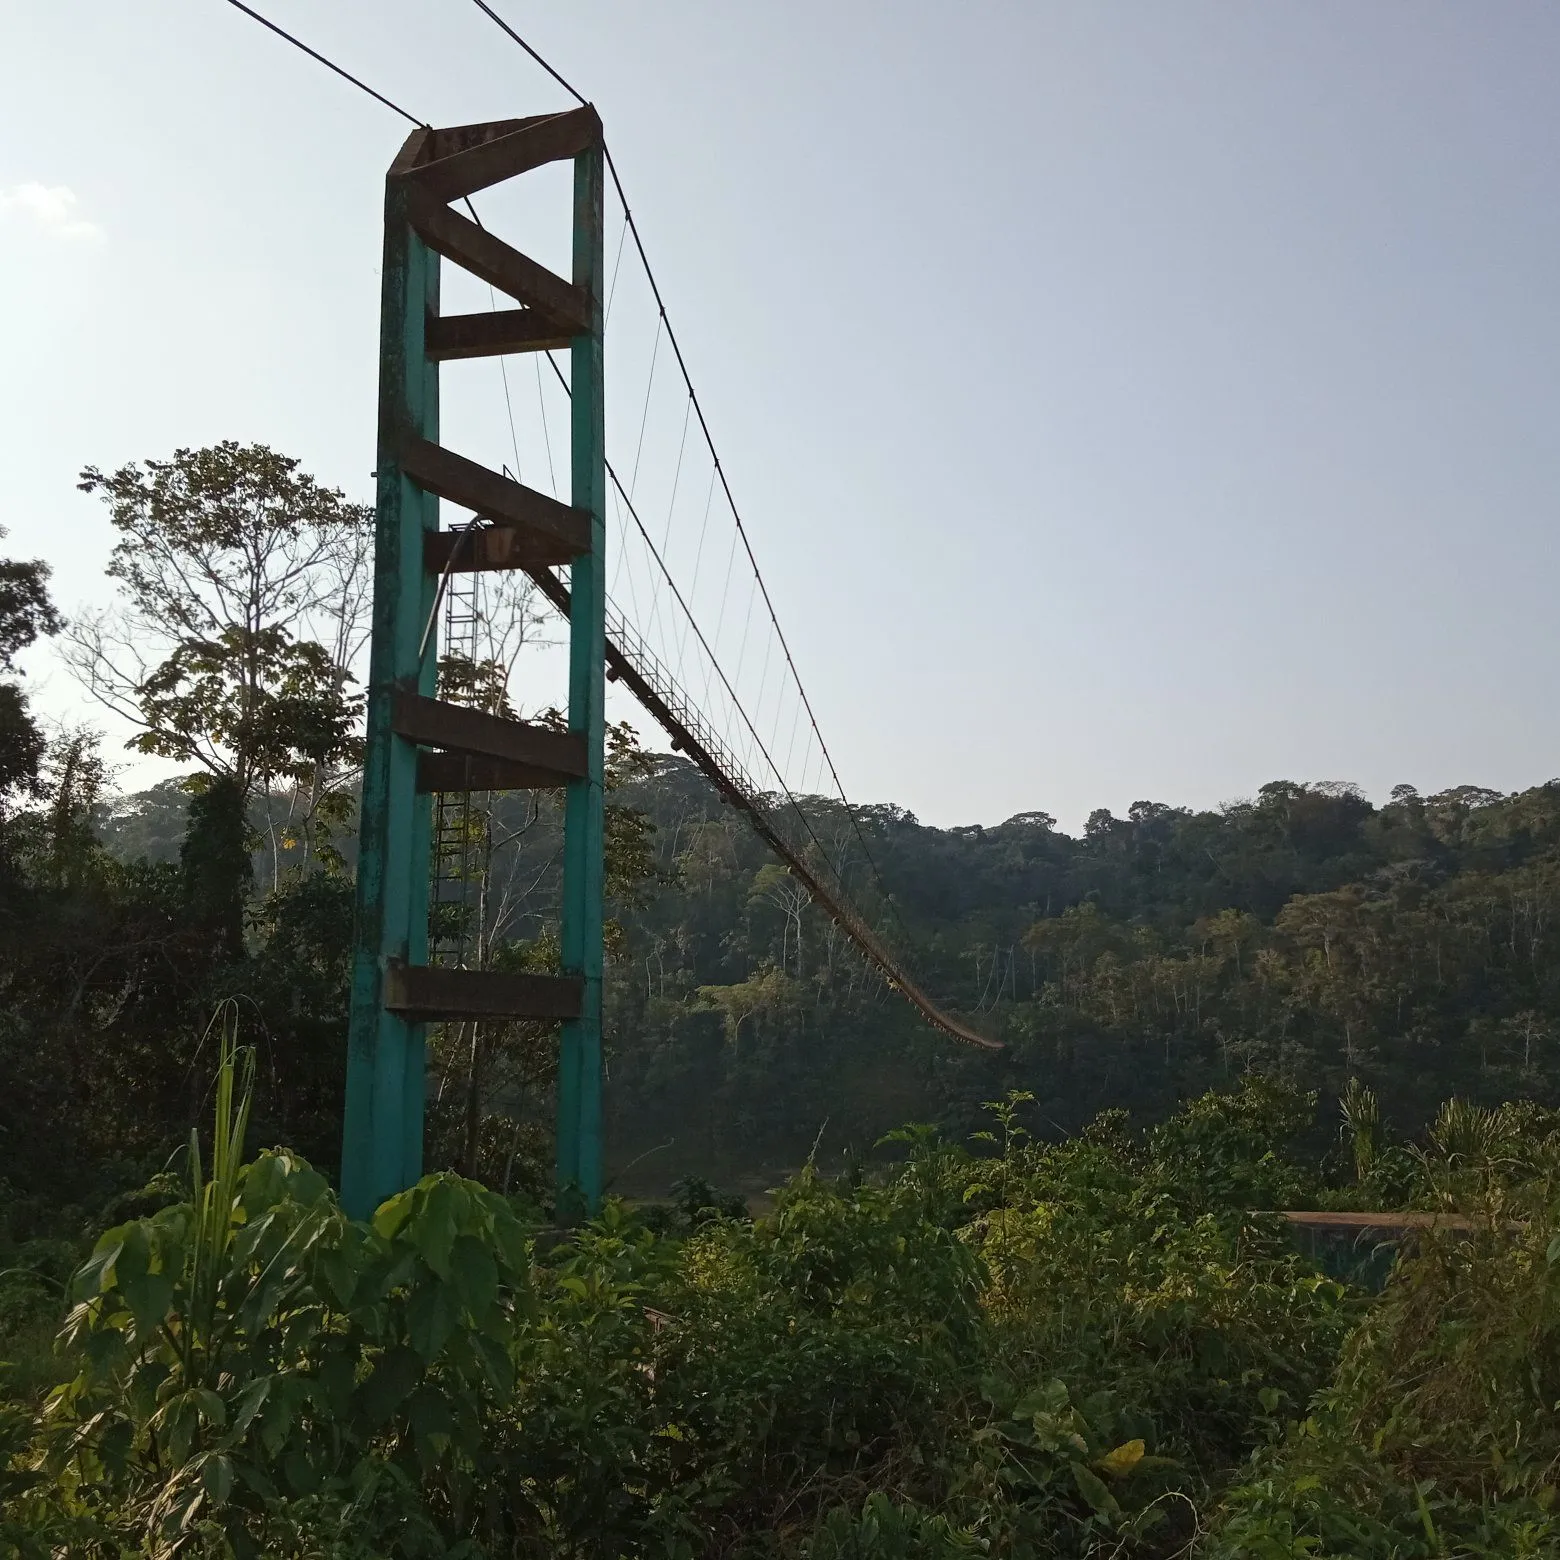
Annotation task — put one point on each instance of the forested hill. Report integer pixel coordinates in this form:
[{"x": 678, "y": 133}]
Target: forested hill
[{"x": 1305, "y": 933}]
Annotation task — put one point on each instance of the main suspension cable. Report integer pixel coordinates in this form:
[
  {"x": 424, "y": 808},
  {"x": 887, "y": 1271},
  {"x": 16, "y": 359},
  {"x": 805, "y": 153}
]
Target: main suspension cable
[
  {"x": 314, "y": 54},
  {"x": 664, "y": 322}
]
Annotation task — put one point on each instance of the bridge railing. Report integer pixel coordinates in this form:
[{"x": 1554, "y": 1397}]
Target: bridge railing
[{"x": 631, "y": 661}]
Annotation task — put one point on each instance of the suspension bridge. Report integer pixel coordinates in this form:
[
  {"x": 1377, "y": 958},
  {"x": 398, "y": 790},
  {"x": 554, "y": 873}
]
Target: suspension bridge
[{"x": 664, "y": 629}]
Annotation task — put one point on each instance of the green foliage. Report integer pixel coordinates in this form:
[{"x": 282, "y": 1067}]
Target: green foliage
[
  {"x": 25, "y": 609},
  {"x": 1362, "y": 1126},
  {"x": 273, "y": 702},
  {"x": 1228, "y": 1150},
  {"x": 889, "y": 1530},
  {"x": 1030, "y": 1349},
  {"x": 843, "y": 1320},
  {"x": 253, "y": 1371},
  {"x": 1436, "y": 1434},
  {"x": 26, "y": 613},
  {"x": 216, "y": 869},
  {"x": 694, "y": 1202},
  {"x": 22, "y": 743},
  {"x": 1305, "y": 935},
  {"x": 241, "y": 585}
]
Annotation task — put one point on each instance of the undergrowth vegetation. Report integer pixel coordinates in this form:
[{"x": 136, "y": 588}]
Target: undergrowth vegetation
[{"x": 1108, "y": 1346}]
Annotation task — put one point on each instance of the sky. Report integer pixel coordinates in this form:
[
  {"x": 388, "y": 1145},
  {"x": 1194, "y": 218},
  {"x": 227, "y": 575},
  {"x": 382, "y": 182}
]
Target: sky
[{"x": 1124, "y": 400}]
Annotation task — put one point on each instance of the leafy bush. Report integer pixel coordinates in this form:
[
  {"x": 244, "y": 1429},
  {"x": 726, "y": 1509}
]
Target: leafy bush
[
  {"x": 1437, "y": 1434},
  {"x": 1231, "y": 1151},
  {"x": 812, "y": 1344},
  {"x": 889, "y": 1530},
  {"x": 252, "y": 1369},
  {"x": 1092, "y": 1348}
]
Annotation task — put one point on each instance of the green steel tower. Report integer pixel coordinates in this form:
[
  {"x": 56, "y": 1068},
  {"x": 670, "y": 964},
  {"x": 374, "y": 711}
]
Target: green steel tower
[{"x": 419, "y": 745}]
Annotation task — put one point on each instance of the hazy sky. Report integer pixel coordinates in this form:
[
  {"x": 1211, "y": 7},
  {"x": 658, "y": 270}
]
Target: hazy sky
[{"x": 1126, "y": 399}]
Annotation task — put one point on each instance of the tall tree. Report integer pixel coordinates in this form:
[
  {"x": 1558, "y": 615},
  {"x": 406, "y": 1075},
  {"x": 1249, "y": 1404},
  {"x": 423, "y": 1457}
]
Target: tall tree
[
  {"x": 26, "y": 613},
  {"x": 244, "y": 588}
]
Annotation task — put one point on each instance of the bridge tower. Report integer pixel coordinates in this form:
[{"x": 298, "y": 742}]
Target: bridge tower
[{"x": 420, "y": 746}]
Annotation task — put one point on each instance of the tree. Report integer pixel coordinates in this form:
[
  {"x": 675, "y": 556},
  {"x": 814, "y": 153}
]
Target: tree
[
  {"x": 216, "y": 871},
  {"x": 26, "y": 614},
  {"x": 774, "y": 885},
  {"x": 244, "y": 588},
  {"x": 765, "y": 991},
  {"x": 21, "y": 742}
]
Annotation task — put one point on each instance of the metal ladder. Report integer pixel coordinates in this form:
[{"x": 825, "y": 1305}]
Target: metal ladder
[{"x": 462, "y": 828}]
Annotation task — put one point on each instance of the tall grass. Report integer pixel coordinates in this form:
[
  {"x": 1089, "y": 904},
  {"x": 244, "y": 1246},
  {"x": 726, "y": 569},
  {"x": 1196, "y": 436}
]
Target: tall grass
[{"x": 215, "y": 1199}]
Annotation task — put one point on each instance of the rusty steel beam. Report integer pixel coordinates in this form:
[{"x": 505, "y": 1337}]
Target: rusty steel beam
[
  {"x": 468, "y": 772},
  {"x": 517, "y": 147},
  {"x": 446, "y": 140},
  {"x": 430, "y": 993},
  {"x": 491, "y": 260},
  {"x": 502, "y": 331},
  {"x": 480, "y": 548},
  {"x": 460, "y": 729},
  {"x": 551, "y": 525}
]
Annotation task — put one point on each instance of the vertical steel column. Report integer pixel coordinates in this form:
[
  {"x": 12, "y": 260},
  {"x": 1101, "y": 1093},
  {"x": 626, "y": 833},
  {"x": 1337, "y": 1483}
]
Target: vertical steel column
[
  {"x": 393, "y": 991},
  {"x": 579, "y": 1059},
  {"x": 382, "y": 1132}
]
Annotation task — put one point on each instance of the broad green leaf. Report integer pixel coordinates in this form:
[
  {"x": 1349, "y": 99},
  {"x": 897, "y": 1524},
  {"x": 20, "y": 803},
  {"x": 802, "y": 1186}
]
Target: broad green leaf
[
  {"x": 431, "y": 1422},
  {"x": 135, "y": 1256},
  {"x": 96, "y": 1274},
  {"x": 254, "y": 1477},
  {"x": 250, "y": 1401},
  {"x": 179, "y": 1419},
  {"x": 263, "y": 1185},
  {"x": 393, "y": 1213},
  {"x": 149, "y": 1297},
  {"x": 305, "y": 1184},
  {"x": 279, "y": 1411},
  {"x": 210, "y": 1406},
  {"x": 475, "y": 1274},
  {"x": 1122, "y": 1460},
  {"x": 341, "y": 1267},
  {"x": 431, "y": 1315},
  {"x": 115, "y": 1445},
  {"x": 298, "y": 1329},
  {"x": 1093, "y": 1490},
  {"x": 395, "y": 1373},
  {"x": 105, "y": 1351},
  {"x": 495, "y": 1362},
  {"x": 432, "y": 1232},
  {"x": 300, "y": 1472},
  {"x": 513, "y": 1241},
  {"x": 337, "y": 1377},
  {"x": 217, "y": 1475},
  {"x": 1049, "y": 1398},
  {"x": 262, "y": 1302}
]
